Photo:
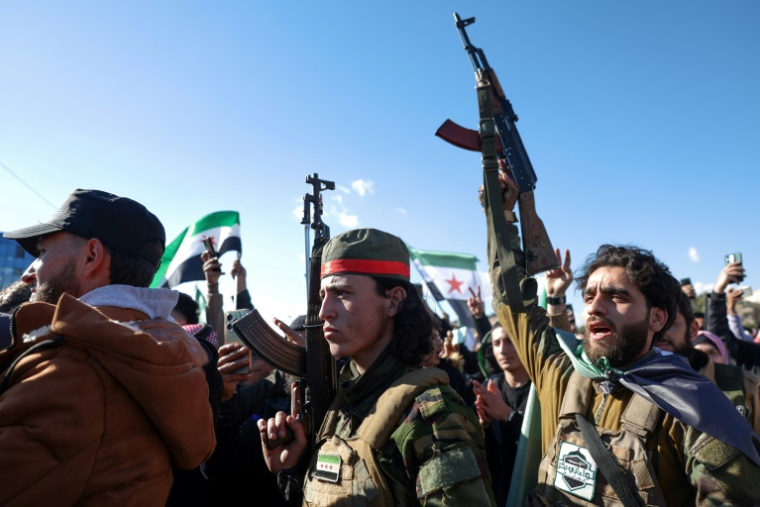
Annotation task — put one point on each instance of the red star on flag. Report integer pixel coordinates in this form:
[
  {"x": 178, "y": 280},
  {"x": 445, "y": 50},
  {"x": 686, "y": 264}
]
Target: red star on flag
[
  {"x": 213, "y": 241},
  {"x": 454, "y": 284}
]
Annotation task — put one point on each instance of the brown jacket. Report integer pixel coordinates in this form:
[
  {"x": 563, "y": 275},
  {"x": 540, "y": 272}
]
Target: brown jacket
[{"x": 100, "y": 418}]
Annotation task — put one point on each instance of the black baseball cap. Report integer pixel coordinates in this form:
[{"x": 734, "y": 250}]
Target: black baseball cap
[{"x": 118, "y": 222}]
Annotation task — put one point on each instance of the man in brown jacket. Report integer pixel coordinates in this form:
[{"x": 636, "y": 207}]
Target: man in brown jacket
[{"x": 96, "y": 401}]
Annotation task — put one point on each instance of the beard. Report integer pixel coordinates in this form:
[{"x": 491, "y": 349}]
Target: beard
[
  {"x": 63, "y": 282},
  {"x": 626, "y": 345},
  {"x": 682, "y": 348}
]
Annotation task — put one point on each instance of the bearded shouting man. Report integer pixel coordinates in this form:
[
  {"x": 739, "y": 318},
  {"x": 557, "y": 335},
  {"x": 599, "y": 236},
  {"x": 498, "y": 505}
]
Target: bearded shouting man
[{"x": 622, "y": 424}]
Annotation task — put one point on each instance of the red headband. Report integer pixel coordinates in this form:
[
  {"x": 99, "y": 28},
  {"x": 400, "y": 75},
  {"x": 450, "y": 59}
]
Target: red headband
[{"x": 364, "y": 266}]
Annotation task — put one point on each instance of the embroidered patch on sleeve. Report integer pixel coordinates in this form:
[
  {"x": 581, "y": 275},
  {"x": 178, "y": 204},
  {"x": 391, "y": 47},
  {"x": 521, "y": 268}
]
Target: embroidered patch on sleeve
[
  {"x": 430, "y": 402},
  {"x": 447, "y": 469},
  {"x": 328, "y": 467},
  {"x": 576, "y": 471}
]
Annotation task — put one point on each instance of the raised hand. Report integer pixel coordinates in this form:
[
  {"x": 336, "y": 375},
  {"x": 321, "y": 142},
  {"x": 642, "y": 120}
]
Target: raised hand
[
  {"x": 289, "y": 333},
  {"x": 731, "y": 273},
  {"x": 211, "y": 268},
  {"x": 475, "y": 303},
  {"x": 559, "y": 280}
]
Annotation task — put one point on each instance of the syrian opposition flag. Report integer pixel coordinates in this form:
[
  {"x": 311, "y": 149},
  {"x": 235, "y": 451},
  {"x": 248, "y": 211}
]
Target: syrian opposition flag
[
  {"x": 449, "y": 276},
  {"x": 182, "y": 259}
]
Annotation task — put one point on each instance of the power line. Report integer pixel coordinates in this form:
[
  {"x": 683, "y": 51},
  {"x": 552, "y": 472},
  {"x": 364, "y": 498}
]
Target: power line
[{"x": 27, "y": 185}]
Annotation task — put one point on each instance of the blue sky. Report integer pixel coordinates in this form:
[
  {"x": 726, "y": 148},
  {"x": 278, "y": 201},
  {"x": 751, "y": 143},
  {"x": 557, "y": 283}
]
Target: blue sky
[{"x": 640, "y": 119}]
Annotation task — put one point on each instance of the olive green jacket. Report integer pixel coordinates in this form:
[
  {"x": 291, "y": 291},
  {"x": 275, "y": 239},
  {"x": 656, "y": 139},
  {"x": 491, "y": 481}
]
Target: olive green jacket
[
  {"x": 691, "y": 466},
  {"x": 436, "y": 423}
]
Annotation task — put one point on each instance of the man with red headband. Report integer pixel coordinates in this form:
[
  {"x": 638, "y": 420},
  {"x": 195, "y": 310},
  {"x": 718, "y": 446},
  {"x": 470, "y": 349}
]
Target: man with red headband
[{"x": 396, "y": 434}]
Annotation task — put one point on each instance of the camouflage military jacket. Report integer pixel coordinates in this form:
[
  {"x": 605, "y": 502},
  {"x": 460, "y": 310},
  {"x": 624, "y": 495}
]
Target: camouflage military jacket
[
  {"x": 691, "y": 467},
  {"x": 415, "y": 460}
]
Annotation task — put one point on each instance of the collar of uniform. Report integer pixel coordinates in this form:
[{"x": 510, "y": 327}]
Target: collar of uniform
[{"x": 356, "y": 388}]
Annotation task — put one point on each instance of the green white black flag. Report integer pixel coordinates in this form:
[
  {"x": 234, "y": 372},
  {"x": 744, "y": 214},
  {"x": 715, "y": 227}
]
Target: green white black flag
[
  {"x": 449, "y": 276},
  {"x": 182, "y": 259}
]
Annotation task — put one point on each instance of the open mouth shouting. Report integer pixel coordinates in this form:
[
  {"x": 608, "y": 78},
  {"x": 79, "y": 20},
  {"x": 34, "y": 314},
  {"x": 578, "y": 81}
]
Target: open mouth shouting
[{"x": 600, "y": 329}]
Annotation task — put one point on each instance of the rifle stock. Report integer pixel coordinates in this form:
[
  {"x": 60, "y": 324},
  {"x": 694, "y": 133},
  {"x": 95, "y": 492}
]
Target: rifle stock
[
  {"x": 539, "y": 252},
  {"x": 272, "y": 347}
]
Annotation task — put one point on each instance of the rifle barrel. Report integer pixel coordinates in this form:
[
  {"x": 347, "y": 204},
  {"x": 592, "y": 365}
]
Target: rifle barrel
[{"x": 475, "y": 54}]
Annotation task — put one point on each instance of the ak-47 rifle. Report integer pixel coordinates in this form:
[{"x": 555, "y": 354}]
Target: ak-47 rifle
[
  {"x": 314, "y": 392},
  {"x": 539, "y": 253}
]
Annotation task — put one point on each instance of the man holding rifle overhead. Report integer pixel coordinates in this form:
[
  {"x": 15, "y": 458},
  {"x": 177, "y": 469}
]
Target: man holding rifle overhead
[
  {"x": 620, "y": 421},
  {"x": 396, "y": 434}
]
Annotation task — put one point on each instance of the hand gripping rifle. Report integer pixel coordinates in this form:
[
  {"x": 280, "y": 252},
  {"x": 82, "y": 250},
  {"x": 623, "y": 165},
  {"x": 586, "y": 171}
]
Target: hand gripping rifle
[
  {"x": 315, "y": 391},
  {"x": 539, "y": 253}
]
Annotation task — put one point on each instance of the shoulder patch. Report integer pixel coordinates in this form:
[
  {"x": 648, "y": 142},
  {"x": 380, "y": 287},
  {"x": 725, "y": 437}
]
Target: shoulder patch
[
  {"x": 447, "y": 469},
  {"x": 714, "y": 453},
  {"x": 430, "y": 402}
]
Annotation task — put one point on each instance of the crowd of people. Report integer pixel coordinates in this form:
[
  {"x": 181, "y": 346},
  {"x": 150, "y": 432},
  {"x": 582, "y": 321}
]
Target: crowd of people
[{"x": 113, "y": 393}]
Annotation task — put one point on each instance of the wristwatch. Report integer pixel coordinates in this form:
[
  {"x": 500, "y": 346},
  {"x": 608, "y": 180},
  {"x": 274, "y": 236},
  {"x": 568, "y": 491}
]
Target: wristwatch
[{"x": 556, "y": 300}]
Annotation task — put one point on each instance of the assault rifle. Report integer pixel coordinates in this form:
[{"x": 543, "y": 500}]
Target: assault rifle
[
  {"x": 312, "y": 395},
  {"x": 539, "y": 253}
]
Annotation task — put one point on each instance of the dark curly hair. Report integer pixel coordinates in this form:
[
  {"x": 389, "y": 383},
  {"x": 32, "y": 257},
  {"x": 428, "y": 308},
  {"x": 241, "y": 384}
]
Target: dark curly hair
[
  {"x": 649, "y": 275},
  {"x": 412, "y": 326}
]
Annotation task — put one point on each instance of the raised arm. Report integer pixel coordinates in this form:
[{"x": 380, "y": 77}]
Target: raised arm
[
  {"x": 214, "y": 302},
  {"x": 527, "y": 323}
]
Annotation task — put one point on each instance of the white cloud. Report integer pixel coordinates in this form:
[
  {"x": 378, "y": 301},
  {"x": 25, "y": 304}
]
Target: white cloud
[
  {"x": 343, "y": 189},
  {"x": 347, "y": 220},
  {"x": 298, "y": 212},
  {"x": 400, "y": 211},
  {"x": 341, "y": 213},
  {"x": 363, "y": 187},
  {"x": 700, "y": 287},
  {"x": 337, "y": 198},
  {"x": 302, "y": 258},
  {"x": 693, "y": 254}
]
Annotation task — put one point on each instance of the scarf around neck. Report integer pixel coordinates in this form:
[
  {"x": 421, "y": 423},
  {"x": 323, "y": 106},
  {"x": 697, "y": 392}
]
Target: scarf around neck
[{"x": 672, "y": 385}]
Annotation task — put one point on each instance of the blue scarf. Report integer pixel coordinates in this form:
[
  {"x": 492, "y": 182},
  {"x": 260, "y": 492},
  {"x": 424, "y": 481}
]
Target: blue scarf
[{"x": 668, "y": 382}]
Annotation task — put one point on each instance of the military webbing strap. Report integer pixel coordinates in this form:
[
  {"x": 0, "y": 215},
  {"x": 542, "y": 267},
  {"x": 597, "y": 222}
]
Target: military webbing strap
[
  {"x": 640, "y": 416},
  {"x": 494, "y": 202},
  {"x": 381, "y": 421},
  {"x": 730, "y": 380},
  {"x": 625, "y": 491},
  {"x": 577, "y": 395}
]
